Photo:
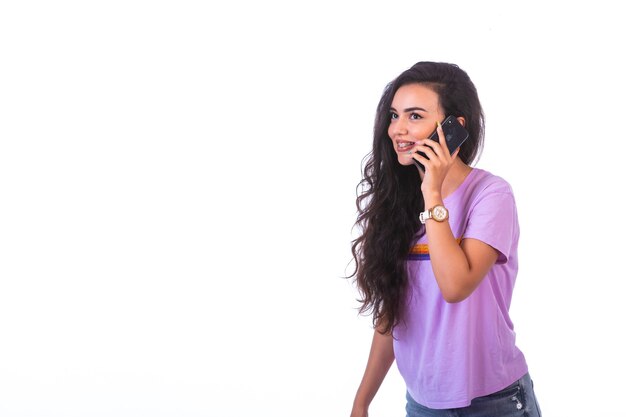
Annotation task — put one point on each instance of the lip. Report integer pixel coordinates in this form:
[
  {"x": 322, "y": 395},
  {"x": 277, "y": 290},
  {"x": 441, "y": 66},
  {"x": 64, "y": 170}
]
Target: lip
[{"x": 410, "y": 145}]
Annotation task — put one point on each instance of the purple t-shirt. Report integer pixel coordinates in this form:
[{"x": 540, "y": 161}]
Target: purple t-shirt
[{"x": 448, "y": 353}]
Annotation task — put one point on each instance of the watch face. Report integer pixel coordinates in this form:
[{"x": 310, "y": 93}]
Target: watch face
[{"x": 440, "y": 213}]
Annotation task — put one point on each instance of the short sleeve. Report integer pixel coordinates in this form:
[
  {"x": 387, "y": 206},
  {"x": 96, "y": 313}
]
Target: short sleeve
[{"x": 493, "y": 220}]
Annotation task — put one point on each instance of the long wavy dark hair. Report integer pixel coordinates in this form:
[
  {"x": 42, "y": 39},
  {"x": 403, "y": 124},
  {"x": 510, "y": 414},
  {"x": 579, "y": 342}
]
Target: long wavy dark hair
[{"x": 389, "y": 197}]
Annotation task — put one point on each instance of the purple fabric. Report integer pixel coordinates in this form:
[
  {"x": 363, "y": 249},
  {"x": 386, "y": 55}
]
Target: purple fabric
[{"x": 449, "y": 354}]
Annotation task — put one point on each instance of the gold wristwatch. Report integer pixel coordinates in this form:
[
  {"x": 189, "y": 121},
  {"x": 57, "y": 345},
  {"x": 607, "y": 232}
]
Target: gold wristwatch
[{"x": 438, "y": 213}]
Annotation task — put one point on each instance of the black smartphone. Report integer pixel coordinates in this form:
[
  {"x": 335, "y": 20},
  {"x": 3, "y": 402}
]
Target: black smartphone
[{"x": 455, "y": 135}]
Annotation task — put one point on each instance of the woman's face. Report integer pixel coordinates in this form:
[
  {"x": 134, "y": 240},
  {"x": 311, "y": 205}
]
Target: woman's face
[{"x": 414, "y": 112}]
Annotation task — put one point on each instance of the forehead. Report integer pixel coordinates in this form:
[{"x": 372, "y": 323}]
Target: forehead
[{"x": 415, "y": 95}]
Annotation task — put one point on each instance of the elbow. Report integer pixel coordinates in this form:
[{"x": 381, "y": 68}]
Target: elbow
[
  {"x": 455, "y": 295},
  {"x": 456, "y": 288}
]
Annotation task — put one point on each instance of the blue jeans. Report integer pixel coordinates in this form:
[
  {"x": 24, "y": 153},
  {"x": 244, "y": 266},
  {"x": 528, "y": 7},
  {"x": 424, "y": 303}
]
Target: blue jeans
[{"x": 516, "y": 400}]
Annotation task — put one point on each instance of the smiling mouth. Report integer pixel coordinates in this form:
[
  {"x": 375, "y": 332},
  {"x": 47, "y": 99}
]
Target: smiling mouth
[{"x": 404, "y": 145}]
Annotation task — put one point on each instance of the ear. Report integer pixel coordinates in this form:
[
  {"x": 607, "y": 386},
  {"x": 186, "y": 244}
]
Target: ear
[{"x": 461, "y": 120}]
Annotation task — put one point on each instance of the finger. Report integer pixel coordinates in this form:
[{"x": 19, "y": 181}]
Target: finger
[
  {"x": 454, "y": 155},
  {"x": 435, "y": 146},
  {"x": 427, "y": 150},
  {"x": 421, "y": 159},
  {"x": 442, "y": 139},
  {"x": 427, "y": 163}
]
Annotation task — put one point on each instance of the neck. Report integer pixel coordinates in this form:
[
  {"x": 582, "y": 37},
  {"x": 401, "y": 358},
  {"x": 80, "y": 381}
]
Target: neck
[{"x": 457, "y": 174}]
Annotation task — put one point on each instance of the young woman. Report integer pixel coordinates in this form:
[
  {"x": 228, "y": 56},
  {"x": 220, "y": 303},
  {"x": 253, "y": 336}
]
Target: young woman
[{"x": 437, "y": 260}]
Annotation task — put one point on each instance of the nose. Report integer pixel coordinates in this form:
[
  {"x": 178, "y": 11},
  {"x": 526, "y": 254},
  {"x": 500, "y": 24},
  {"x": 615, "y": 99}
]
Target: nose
[{"x": 398, "y": 127}]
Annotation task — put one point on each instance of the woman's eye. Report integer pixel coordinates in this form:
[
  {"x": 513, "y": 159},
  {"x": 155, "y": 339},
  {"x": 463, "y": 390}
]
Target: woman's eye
[
  {"x": 393, "y": 116},
  {"x": 415, "y": 116}
]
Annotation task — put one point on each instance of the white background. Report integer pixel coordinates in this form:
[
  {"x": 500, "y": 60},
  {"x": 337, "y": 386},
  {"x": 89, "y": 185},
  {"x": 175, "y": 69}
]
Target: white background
[{"x": 177, "y": 192}]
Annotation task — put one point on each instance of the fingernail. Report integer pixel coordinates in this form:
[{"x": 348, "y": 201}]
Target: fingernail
[{"x": 438, "y": 124}]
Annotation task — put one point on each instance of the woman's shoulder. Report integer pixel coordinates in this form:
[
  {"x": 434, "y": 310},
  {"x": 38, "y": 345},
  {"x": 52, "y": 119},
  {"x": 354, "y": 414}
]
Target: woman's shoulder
[{"x": 485, "y": 181}]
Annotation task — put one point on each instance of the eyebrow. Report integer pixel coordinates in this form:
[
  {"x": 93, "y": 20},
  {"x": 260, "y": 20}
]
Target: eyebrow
[{"x": 410, "y": 109}]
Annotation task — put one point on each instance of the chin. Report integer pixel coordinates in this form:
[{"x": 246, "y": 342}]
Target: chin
[{"x": 405, "y": 160}]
